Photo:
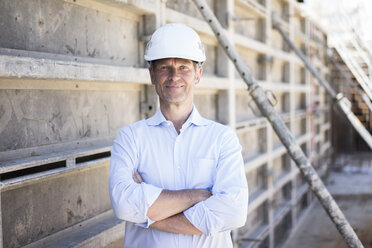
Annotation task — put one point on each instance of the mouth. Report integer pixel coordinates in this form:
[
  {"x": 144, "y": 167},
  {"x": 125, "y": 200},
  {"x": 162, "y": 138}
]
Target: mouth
[{"x": 174, "y": 86}]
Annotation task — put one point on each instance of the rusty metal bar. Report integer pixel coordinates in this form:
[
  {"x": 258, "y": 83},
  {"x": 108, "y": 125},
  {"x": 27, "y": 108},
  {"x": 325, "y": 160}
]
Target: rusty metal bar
[
  {"x": 294, "y": 150},
  {"x": 342, "y": 102}
]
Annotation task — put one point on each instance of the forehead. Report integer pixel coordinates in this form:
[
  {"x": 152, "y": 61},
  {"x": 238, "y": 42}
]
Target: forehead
[{"x": 173, "y": 61}]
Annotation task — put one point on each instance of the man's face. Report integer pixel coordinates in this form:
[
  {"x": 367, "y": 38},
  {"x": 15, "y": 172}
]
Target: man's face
[{"x": 174, "y": 79}]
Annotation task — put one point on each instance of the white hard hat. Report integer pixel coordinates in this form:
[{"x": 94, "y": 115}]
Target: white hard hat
[{"x": 175, "y": 40}]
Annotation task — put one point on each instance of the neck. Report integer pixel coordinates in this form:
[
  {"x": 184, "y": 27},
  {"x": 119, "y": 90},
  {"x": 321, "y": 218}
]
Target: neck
[{"x": 176, "y": 113}]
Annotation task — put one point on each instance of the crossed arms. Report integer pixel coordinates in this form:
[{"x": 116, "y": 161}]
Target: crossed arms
[
  {"x": 188, "y": 211},
  {"x": 167, "y": 210}
]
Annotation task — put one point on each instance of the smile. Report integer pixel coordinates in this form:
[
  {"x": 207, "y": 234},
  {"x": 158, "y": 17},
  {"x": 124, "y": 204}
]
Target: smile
[{"x": 174, "y": 86}]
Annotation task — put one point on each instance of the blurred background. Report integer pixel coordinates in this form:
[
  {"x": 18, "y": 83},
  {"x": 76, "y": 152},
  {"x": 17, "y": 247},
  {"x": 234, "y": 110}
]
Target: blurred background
[{"x": 72, "y": 74}]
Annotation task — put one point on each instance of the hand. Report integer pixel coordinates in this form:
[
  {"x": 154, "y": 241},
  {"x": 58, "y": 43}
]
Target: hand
[
  {"x": 202, "y": 194},
  {"x": 171, "y": 202},
  {"x": 177, "y": 223},
  {"x": 137, "y": 177}
]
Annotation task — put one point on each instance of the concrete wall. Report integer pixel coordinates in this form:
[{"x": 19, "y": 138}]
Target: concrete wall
[
  {"x": 36, "y": 210},
  {"x": 42, "y": 117},
  {"x": 72, "y": 74},
  {"x": 60, "y": 27}
]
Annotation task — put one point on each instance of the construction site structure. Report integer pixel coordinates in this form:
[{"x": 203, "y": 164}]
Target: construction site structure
[
  {"x": 72, "y": 74},
  {"x": 348, "y": 34},
  {"x": 344, "y": 81},
  {"x": 342, "y": 102}
]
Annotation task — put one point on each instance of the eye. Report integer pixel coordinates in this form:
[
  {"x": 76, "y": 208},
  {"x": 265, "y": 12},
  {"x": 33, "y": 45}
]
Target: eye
[
  {"x": 163, "y": 67},
  {"x": 184, "y": 68}
]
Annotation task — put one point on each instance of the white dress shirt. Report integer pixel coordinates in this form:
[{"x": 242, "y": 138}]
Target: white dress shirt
[{"x": 205, "y": 155}]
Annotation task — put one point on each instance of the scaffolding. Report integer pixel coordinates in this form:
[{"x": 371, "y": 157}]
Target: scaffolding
[
  {"x": 266, "y": 108},
  {"x": 343, "y": 103}
]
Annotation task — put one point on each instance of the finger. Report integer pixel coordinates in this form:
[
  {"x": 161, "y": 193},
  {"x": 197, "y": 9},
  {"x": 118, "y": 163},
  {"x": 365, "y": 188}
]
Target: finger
[
  {"x": 134, "y": 176},
  {"x": 137, "y": 177}
]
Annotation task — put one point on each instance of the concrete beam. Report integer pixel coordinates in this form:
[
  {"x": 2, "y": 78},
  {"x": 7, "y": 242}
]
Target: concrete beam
[
  {"x": 42, "y": 68},
  {"x": 98, "y": 232},
  {"x": 36, "y": 210}
]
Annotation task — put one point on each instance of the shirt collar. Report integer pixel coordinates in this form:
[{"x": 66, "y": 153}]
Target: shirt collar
[
  {"x": 194, "y": 118},
  {"x": 157, "y": 119}
]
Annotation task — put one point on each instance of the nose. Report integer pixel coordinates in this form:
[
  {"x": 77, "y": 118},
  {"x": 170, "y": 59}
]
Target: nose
[{"x": 174, "y": 74}]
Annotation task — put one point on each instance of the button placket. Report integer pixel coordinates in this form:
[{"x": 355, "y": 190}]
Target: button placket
[{"x": 179, "y": 182}]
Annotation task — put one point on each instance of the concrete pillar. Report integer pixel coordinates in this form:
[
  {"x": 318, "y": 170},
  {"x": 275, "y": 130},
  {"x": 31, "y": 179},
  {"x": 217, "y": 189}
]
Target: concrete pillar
[
  {"x": 292, "y": 114},
  {"x": 149, "y": 98},
  {"x": 226, "y": 112},
  {"x": 269, "y": 134},
  {"x": 224, "y": 10}
]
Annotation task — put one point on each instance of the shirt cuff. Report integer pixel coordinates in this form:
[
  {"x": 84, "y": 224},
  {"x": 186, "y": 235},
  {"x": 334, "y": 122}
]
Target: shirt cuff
[
  {"x": 145, "y": 224},
  {"x": 151, "y": 193},
  {"x": 195, "y": 215}
]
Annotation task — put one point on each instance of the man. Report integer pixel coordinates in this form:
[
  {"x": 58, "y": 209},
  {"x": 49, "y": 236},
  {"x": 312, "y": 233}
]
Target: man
[{"x": 176, "y": 178}]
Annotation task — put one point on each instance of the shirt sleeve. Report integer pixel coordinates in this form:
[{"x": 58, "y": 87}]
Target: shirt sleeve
[
  {"x": 227, "y": 208},
  {"x": 130, "y": 200}
]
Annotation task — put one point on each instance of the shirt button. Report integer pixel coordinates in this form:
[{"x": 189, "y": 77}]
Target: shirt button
[{"x": 178, "y": 167}]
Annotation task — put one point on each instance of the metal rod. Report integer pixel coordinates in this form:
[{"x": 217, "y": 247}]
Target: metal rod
[
  {"x": 362, "y": 95},
  {"x": 306, "y": 62},
  {"x": 342, "y": 102},
  {"x": 258, "y": 95}
]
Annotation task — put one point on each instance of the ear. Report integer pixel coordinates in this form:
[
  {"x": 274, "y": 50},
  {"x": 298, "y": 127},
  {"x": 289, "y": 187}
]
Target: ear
[
  {"x": 198, "y": 75},
  {"x": 152, "y": 75}
]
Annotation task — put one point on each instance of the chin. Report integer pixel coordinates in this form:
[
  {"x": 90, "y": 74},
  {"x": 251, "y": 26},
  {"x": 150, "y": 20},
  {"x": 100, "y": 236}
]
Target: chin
[{"x": 175, "y": 100}]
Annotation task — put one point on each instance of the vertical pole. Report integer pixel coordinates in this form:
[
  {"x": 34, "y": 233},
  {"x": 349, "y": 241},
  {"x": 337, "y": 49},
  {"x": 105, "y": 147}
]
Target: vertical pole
[
  {"x": 310, "y": 93},
  {"x": 226, "y": 98},
  {"x": 227, "y": 105},
  {"x": 270, "y": 186},
  {"x": 149, "y": 99},
  {"x": 230, "y": 68},
  {"x": 269, "y": 133},
  {"x": 259, "y": 96},
  {"x": 292, "y": 115}
]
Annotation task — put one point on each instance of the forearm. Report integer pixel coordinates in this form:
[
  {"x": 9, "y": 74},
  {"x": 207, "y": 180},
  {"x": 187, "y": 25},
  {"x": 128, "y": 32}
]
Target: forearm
[
  {"x": 221, "y": 212},
  {"x": 176, "y": 224},
  {"x": 170, "y": 203}
]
